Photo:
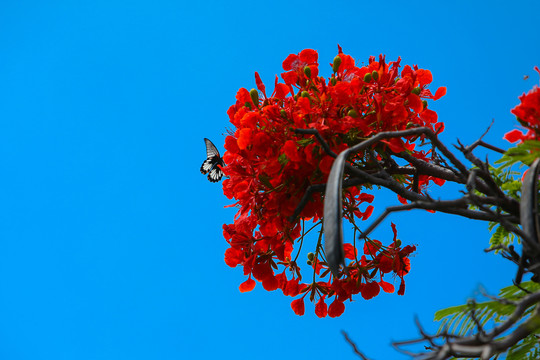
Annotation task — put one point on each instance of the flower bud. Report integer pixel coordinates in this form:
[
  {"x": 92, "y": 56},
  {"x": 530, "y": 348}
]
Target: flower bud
[
  {"x": 283, "y": 159},
  {"x": 254, "y": 96},
  {"x": 367, "y": 77},
  {"x": 352, "y": 113},
  {"x": 375, "y": 75},
  {"x": 311, "y": 256},
  {"x": 337, "y": 62},
  {"x": 307, "y": 72},
  {"x": 333, "y": 81},
  {"x": 416, "y": 90},
  {"x": 424, "y": 102},
  {"x": 305, "y": 94},
  {"x": 309, "y": 262},
  {"x": 283, "y": 113},
  {"x": 398, "y": 243}
]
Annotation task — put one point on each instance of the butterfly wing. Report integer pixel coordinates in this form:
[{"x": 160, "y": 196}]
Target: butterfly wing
[
  {"x": 211, "y": 165},
  {"x": 206, "y": 166},
  {"x": 211, "y": 149},
  {"x": 215, "y": 174}
]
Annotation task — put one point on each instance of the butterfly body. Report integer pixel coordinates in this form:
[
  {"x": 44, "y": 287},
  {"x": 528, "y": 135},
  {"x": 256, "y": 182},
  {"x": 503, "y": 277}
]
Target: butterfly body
[{"x": 213, "y": 163}]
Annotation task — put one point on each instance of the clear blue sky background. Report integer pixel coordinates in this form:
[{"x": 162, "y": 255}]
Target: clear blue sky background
[{"x": 111, "y": 244}]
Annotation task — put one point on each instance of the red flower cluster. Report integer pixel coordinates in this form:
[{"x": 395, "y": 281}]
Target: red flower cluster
[
  {"x": 528, "y": 115},
  {"x": 270, "y": 167}
]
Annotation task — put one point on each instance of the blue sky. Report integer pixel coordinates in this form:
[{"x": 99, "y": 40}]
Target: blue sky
[{"x": 111, "y": 243}]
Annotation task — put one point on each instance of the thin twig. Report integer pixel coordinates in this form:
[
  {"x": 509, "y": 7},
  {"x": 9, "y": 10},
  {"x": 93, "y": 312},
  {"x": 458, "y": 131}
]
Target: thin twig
[{"x": 355, "y": 349}]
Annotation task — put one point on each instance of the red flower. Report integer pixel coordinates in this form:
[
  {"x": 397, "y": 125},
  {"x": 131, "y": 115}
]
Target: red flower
[
  {"x": 529, "y": 109},
  {"x": 424, "y": 77},
  {"x": 291, "y": 151},
  {"x": 401, "y": 290},
  {"x": 270, "y": 167},
  {"x": 262, "y": 270},
  {"x": 244, "y": 139},
  {"x": 514, "y": 135},
  {"x": 385, "y": 263},
  {"x": 292, "y": 288},
  {"x": 247, "y": 285},
  {"x": 260, "y": 84},
  {"x": 528, "y": 114},
  {"x": 298, "y": 306},
  {"x": 290, "y": 77},
  {"x": 371, "y": 247},
  {"x": 321, "y": 309},
  {"x": 270, "y": 283},
  {"x": 233, "y": 257},
  {"x": 336, "y": 308},
  {"x": 350, "y": 251},
  {"x": 370, "y": 290},
  {"x": 243, "y": 96},
  {"x": 295, "y": 65},
  {"x": 439, "y": 93},
  {"x": 387, "y": 287}
]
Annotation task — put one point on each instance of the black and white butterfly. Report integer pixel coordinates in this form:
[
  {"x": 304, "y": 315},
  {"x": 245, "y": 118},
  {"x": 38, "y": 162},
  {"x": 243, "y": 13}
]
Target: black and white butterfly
[{"x": 211, "y": 165}]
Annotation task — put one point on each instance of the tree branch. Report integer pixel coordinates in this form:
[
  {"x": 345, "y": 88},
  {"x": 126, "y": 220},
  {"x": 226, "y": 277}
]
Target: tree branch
[
  {"x": 481, "y": 191},
  {"x": 475, "y": 346},
  {"x": 355, "y": 348}
]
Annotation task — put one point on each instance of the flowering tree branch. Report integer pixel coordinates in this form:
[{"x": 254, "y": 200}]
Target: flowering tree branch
[
  {"x": 305, "y": 157},
  {"x": 483, "y": 344},
  {"x": 505, "y": 208}
]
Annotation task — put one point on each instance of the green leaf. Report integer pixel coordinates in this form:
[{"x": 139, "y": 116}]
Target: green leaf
[
  {"x": 305, "y": 141},
  {"x": 283, "y": 159},
  {"x": 512, "y": 186},
  {"x": 525, "y": 153},
  {"x": 528, "y": 348},
  {"x": 501, "y": 236},
  {"x": 458, "y": 320}
]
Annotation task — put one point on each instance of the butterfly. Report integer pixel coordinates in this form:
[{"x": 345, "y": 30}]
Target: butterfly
[{"x": 211, "y": 165}]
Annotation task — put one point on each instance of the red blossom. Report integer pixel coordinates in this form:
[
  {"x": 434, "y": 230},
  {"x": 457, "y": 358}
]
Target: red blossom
[
  {"x": 233, "y": 257},
  {"x": 385, "y": 263},
  {"x": 243, "y": 96},
  {"x": 247, "y": 285},
  {"x": 350, "y": 251},
  {"x": 514, "y": 136},
  {"x": 262, "y": 270},
  {"x": 401, "y": 290},
  {"x": 387, "y": 287},
  {"x": 259, "y": 83},
  {"x": 270, "y": 283},
  {"x": 371, "y": 247},
  {"x": 270, "y": 167},
  {"x": 439, "y": 93},
  {"x": 528, "y": 115},
  {"x": 292, "y": 287},
  {"x": 336, "y": 308},
  {"x": 298, "y": 306},
  {"x": 370, "y": 290},
  {"x": 321, "y": 309},
  {"x": 289, "y": 77}
]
